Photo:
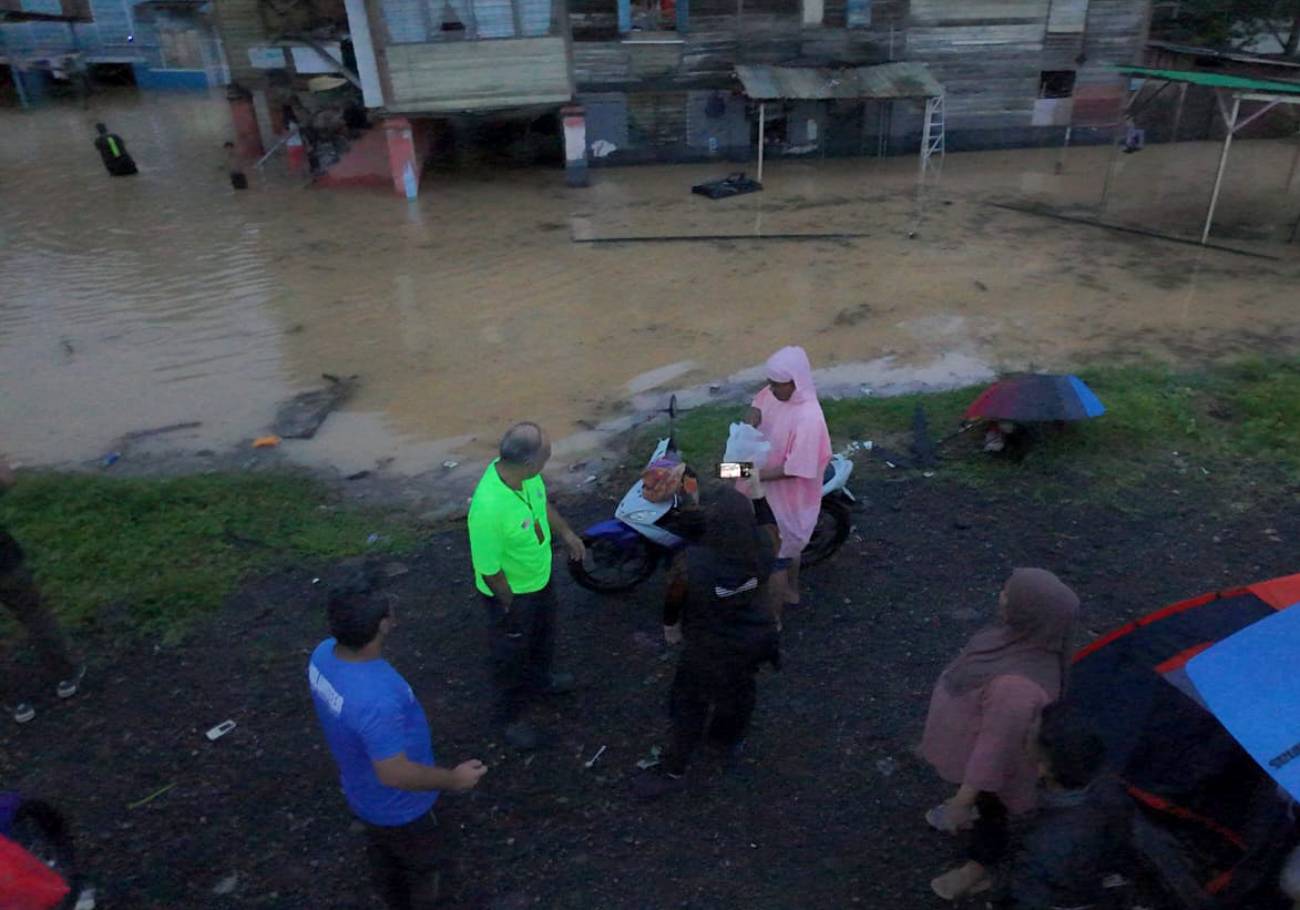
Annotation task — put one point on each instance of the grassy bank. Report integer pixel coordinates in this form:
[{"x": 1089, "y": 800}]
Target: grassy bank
[
  {"x": 1238, "y": 423},
  {"x": 155, "y": 554}
]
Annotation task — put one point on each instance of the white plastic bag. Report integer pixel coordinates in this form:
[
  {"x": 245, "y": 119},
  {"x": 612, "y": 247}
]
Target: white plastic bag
[{"x": 747, "y": 444}]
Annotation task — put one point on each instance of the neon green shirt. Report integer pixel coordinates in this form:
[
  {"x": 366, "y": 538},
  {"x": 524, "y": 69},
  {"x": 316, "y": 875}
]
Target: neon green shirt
[{"x": 503, "y": 525}]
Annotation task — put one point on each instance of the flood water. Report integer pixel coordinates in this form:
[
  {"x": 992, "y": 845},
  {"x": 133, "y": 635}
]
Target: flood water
[{"x": 134, "y": 303}]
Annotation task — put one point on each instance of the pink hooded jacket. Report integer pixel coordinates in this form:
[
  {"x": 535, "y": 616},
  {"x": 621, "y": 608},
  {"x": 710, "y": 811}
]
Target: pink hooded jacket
[{"x": 801, "y": 445}]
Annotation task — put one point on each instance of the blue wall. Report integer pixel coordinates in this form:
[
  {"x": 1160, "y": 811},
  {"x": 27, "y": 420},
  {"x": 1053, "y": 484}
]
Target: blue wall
[{"x": 117, "y": 34}]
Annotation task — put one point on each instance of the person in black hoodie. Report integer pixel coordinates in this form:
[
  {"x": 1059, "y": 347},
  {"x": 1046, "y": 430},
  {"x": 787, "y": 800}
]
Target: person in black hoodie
[
  {"x": 1080, "y": 834},
  {"x": 717, "y": 605},
  {"x": 20, "y": 596}
]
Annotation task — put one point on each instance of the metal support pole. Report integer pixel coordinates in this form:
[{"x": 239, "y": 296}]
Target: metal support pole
[
  {"x": 1223, "y": 164},
  {"x": 925, "y": 137},
  {"x": 1295, "y": 160},
  {"x": 1178, "y": 111},
  {"x": 1065, "y": 147},
  {"x": 762, "y": 131},
  {"x": 21, "y": 89}
]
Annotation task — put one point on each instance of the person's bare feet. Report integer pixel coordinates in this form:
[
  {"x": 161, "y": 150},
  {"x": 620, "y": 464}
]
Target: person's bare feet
[{"x": 969, "y": 879}]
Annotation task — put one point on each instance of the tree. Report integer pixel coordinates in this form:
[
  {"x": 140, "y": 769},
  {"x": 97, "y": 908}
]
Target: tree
[{"x": 1230, "y": 23}]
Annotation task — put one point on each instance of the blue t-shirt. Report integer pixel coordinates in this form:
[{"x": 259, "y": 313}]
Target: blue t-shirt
[{"x": 369, "y": 713}]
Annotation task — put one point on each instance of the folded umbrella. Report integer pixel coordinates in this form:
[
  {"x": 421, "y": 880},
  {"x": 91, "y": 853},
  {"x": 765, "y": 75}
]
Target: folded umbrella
[{"x": 1035, "y": 397}]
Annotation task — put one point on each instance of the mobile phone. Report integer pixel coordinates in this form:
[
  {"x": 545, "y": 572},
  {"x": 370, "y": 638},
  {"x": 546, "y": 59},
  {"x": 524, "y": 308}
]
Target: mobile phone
[{"x": 735, "y": 470}]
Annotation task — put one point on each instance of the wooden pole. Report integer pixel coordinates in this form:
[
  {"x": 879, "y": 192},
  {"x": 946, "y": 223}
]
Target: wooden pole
[
  {"x": 1065, "y": 147},
  {"x": 762, "y": 130},
  {"x": 1223, "y": 165},
  {"x": 1110, "y": 171}
]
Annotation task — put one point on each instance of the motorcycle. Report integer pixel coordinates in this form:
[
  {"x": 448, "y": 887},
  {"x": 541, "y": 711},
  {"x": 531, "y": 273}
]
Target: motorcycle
[{"x": 624, "y": 551}]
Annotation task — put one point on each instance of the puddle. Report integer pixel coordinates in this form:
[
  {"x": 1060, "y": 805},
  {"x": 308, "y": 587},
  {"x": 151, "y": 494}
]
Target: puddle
[{"x": 170, "y": 298}]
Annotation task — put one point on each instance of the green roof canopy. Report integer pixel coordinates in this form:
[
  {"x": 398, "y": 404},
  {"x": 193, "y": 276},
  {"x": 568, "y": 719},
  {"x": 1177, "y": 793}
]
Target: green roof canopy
[{"x": 1215, "y": 80}]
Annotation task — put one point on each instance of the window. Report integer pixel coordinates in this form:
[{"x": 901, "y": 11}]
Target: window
[{"x": 1056, "y": 84}]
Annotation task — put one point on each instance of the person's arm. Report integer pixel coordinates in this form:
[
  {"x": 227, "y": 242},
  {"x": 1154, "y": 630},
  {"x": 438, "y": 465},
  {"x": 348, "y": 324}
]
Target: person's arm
[
  {"x": 774, "y": 473},
  {"x": 400, "y": 773},
  {"x": 485, "y": 554},
  {"x": 500, "y": 588},
  {"x": 675, "y": 600},
  {"x": 572, "y": 542}
]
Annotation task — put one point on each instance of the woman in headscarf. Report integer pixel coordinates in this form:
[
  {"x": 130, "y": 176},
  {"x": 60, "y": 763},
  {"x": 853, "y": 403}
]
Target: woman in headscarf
[
  {"x": 716, "y": 604},
  {"x": 789, "y": 415},
  {"x": 982, "y": 713}
]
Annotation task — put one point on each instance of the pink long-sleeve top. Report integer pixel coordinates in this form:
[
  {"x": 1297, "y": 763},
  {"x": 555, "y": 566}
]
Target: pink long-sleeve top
[{"x": 981, "y": 738}]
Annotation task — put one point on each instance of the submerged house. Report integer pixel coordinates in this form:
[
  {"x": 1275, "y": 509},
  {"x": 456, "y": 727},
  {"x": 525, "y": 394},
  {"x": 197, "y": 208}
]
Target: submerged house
[
  {"x": 51, "y": 45},
  {"x": 656, "y": 80}
]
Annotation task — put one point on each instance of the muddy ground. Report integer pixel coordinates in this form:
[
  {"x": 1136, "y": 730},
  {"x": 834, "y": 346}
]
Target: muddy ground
[{"x": 827, "y": 811}]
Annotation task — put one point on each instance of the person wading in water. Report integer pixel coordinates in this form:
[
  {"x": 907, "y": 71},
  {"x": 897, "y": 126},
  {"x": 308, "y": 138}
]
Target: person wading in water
[{"x": 117, "y": 160}]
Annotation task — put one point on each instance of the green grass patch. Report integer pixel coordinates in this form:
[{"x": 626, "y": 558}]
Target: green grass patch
[
  {"x": 1239, "y": 421},
  {"x": 166, "y": 551}
]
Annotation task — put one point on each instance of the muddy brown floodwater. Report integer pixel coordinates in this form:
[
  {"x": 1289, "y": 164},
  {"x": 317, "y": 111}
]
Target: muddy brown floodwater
[{"x": 135, "y": 303}]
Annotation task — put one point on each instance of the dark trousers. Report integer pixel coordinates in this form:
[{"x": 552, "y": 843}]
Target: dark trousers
[
  {"x": 403, "y": 863},
  {"x": 709, "y": 679},
  {"x": 521, "y": 642},
  {"x": 20, "y": 597},
  {"x": 990, "y": 835}
]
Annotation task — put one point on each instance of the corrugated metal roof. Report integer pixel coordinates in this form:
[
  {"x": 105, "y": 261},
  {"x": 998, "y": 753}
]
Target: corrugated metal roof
[
  {"x": 888, "y": 80},
  {"x": 1214, "y": 80}
]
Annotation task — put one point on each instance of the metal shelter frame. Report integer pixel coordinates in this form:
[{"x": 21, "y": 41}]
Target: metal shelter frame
[
  {"x": 884, "y": 82},
  {"x": 1270, "y": 93}
]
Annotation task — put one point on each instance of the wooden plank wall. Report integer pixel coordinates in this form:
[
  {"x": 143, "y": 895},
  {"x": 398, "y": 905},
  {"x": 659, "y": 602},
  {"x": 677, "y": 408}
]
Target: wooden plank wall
[
  {"x": 722, "y": 33},
  {"x": 241, "y": 27},
  {"x": 478, "y": 75}
]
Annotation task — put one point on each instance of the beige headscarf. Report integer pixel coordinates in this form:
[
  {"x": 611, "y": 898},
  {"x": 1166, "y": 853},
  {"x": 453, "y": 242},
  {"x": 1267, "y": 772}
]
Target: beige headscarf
[{"x": 1033, "y": 642}]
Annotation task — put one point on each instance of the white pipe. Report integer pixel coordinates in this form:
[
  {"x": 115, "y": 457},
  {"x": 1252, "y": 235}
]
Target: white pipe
[
  {"x": 1223, "y": 165},
  {"x": 762, "y": 130}
]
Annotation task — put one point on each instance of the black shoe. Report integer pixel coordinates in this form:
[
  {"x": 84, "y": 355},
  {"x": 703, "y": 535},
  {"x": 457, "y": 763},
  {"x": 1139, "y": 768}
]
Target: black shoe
[
  {"x": 522, "y": 736},
  {"x": 656, "y": 782},
  {"x": 557, "y": 684}
]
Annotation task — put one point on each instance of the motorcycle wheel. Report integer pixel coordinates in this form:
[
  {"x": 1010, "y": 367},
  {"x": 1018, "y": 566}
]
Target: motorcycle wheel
[
  {"x": 611, "y": 567},
  {"x": 834, "y": 523}
]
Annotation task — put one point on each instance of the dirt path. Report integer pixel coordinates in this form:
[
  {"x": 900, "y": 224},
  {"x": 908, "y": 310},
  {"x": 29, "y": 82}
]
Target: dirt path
[{"x": 828, "y": 813}]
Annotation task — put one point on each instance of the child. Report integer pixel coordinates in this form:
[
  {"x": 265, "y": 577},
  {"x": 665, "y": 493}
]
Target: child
[{"x": 1081, "y": 831}]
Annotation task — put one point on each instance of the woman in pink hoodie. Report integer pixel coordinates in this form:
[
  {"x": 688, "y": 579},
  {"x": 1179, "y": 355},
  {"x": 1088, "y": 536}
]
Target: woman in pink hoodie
[{"x": 789, "y": 415}]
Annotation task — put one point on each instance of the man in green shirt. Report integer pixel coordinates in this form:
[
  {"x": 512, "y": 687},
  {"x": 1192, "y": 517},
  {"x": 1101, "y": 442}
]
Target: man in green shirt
[{"x": 510, "y": 524}]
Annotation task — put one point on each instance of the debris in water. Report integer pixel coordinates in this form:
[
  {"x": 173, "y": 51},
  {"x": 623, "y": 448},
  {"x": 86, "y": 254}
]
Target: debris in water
[
  {"x": 227, "y": 885},
  {"x": 981, "y": 285},
  {"x": 886, "y": 766},
  {"x": 449, "y": 465},
  {"x": 591, "y": 762},
  {"x": 359, "y": 475},
  {"x": 301, "y": 416},
  {"x": 110, "y": 459},
  {"x": 266, "y": 442}
]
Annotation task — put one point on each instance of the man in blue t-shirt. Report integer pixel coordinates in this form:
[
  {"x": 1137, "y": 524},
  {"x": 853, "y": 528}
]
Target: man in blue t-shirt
[{"x": 380, "y": 739}]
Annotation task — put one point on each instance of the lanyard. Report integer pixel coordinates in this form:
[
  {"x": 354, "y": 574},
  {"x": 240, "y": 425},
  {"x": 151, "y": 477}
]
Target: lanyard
[{"x": 528, "y": 503}]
